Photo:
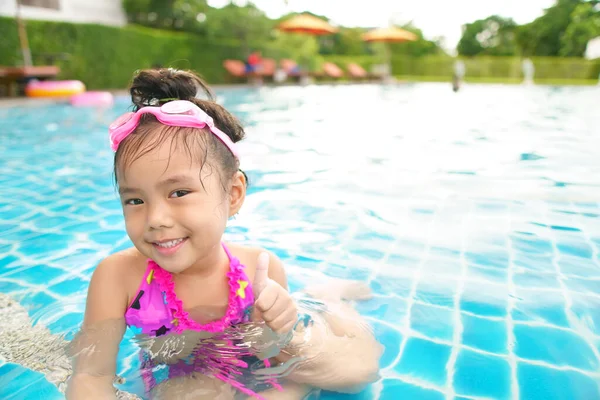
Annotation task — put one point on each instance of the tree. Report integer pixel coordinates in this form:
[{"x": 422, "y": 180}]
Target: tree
[
  {"x": 542, "y": 36},
  {"x": 417, "y": 48},
  {"x": 183, "y": 15},
  {"x": 345, "y": 41},
  {"x": 494, "y": 35},
  {"x": 584, "y": 25},
  {"x": 248, "y": 24}
]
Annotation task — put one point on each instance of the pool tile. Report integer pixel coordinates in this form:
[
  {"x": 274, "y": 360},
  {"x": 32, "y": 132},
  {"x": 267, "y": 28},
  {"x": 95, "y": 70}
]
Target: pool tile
[
  {"x": 43, "y": 221},
  {"x": 540, "y": 383},
  {"x": 555, "y": 346},
  {"x": 541, "y": 306},
  {"x": 484, "y": 334},
  {"x": 390, "y": 309},
  {"x": 70, "y": 286},
  {"x": 8, "y": 287},
  {"x": 425, "y": 360},
  {"x": 70, "y": 322},
  {"x": 582, "y": 285},
  {"x": 7, "y": 261},
  {"x": 493, "y": 275},
  {"x": 530, "y": 279},
  {"x": 392, "y": 339},
  {"x": 578, "y": 266},
  {"x": 108, "y": 236},
  {"x": 534, "y": 262},
  {"x": 531, "y": 244},
  {"x": 433, "y": 322},
  {"x": 366, "y": 394},
  {"x": 484, "y": 299},
  {"x": 587, "y": 311},
  {"x": 392, "y": 285},
  {"x": 13, "y": 212},
  {"x": 397, "y": 389},
  {"x": 435, "y": 265},
  {"x": 23, "y": 383},
  {"x": 35, "y": 301},
  {"x": 36, "y": 274},
  {"x": 77, "y": 259},
  {"x": 481, "y": 375},
  {"x": 83, "y": 227},
  {"x": 437, "y": 291},
  {"x": 574, "y": 244},
  {"x": 345, "y": 272},
  {"x": 489, "y": 259},
  {"x": 45, "y": 244}
]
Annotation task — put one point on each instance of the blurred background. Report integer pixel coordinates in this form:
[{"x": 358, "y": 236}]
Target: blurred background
[{"x": 102, "y": 42}]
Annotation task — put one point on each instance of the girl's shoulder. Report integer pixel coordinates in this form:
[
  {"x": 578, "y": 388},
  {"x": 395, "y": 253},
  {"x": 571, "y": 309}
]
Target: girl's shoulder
[
  {"x": 248, "y": 256},
  {"x": 125, "y": 268}
]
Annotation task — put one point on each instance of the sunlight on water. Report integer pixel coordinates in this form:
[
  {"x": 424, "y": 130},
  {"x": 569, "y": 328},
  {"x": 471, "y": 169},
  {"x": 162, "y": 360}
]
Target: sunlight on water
[{"x": 471, "y": 216}]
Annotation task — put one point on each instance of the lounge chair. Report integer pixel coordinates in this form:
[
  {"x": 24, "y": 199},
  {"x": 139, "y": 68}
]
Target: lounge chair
[
  {"x": 11, "y": 77},
  {"x": 237, "y": 69},
  {"x": 357, "y": 72},
  {"x": 330, "y": 70},
  {"x": 291, "y": 68}
]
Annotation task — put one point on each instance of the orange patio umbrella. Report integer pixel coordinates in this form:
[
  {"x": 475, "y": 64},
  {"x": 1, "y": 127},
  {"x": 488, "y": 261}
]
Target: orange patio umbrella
[
  {"x": 389, "y": 35},
  {"x": 306, "y": 23}
]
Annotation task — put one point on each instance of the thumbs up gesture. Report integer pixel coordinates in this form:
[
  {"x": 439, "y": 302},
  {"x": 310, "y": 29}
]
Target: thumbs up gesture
[{"x": 272, "y": 303}]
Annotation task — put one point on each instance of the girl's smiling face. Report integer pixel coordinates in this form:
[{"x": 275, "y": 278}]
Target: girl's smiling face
[{"x": 175, "y": 206}]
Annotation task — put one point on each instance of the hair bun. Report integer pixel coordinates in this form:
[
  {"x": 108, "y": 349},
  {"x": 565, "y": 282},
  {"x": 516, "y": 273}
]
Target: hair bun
[{"x": 158, "y": 86}]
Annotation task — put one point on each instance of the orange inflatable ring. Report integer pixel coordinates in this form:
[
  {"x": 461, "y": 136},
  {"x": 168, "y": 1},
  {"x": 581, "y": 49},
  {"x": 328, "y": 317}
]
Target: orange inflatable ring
[{"x": 54, "y": 88}]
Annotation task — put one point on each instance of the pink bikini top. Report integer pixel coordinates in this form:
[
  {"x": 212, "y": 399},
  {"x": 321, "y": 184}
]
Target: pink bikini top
[{"x": 156, "y": 310}]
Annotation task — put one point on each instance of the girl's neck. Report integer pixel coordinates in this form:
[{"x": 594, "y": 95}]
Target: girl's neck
[{"x": 208, "y": 265}]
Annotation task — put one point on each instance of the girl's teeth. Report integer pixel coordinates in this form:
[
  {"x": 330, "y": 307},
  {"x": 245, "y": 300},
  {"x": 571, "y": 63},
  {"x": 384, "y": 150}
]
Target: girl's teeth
[{"x": 170, "y": 243}]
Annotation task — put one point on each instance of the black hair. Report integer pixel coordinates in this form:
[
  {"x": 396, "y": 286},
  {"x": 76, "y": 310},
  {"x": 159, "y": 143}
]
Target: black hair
[{"x": 159, "y": 86}]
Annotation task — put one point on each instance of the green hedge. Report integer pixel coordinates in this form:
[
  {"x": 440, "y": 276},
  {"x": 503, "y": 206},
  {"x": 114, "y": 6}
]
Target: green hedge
[
  {"x": 498, "y": 67},
  {"x": 106, "y": 57}
]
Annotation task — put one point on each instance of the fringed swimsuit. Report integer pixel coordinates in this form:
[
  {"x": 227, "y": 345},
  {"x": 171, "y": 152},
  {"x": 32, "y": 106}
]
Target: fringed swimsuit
[{"x": 156, "y": 311}]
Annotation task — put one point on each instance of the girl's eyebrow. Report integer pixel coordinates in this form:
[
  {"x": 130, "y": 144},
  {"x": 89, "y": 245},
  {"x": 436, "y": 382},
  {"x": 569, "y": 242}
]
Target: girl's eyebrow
[
  {"x": 124, "y": 190},
  {"x": 127, "y": 191},
  {"x": 174, "y": 179}
]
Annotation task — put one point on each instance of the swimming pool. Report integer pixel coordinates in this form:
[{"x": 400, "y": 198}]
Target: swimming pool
[{"x": 473, "y": 216}]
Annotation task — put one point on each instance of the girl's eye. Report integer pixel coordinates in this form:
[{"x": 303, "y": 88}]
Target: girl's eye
[
  {"x": 179, "y": 193},
  {"x": 133, "y": 202}
]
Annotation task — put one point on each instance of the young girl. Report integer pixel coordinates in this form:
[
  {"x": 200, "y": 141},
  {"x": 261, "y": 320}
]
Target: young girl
[{"x": 178, "y": 173}]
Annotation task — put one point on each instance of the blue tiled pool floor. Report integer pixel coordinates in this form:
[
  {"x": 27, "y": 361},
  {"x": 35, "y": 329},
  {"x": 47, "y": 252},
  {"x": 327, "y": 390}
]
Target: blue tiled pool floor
[{"x": 485, "y": 273}]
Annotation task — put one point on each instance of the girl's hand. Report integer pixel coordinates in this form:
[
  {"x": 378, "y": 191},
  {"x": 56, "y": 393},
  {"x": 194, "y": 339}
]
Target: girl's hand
[{"x": 272, "y": 302}]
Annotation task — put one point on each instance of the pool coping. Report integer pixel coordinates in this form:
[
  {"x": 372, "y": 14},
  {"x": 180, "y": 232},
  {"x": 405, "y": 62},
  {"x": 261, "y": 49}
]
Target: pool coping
[{"x": 22, "y": 101}]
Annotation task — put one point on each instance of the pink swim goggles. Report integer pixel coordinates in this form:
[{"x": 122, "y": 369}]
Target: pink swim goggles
[{"x": 181, "y": 113}]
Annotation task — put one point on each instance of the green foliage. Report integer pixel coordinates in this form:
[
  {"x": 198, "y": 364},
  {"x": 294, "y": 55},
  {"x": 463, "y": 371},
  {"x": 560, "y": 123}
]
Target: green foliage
[
  {"x": 418, "y": 48},
  {"x": 493, "y": 35},
  {"x": 248, "y": 24},
  {"x": 498, "y": 67},
  {"x": 584, "y": 25},
  {"x": 345, "y": 41},
  {"x": 106, "y": 57},
  {"x": 563, "y": 30},
  {"x": 180, "y": 15}
]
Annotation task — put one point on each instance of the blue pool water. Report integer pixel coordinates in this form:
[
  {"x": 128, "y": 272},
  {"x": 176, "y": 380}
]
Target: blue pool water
[{"x": 472, "y": 215}]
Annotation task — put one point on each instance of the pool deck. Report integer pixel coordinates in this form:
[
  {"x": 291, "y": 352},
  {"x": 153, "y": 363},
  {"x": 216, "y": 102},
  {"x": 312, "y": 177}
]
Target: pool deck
[{"x": 36, "y": 102}]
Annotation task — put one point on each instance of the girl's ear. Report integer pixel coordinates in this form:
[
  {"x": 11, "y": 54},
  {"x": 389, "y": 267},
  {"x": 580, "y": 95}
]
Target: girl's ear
[{"x": 237, "y": 194}]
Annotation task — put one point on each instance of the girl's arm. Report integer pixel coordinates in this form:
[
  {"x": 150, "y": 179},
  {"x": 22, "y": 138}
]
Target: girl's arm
[
  {"x": 94, "y": 349},
  {"x": 340, "y": 353}
]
